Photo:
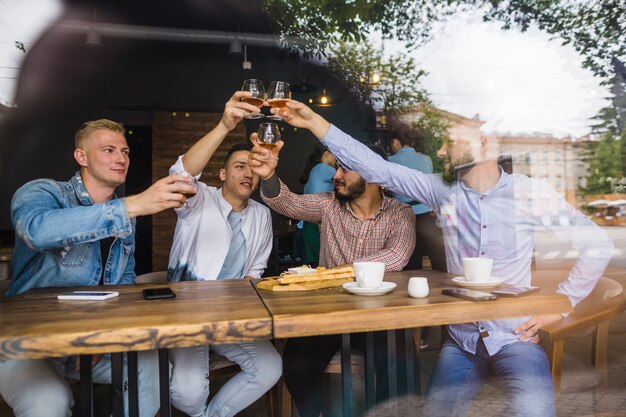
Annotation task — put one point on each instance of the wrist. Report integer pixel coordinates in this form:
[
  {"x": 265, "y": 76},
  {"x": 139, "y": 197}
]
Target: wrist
[
  {"x": 268, "y": 177},
  {"x": 319, "y": 126},
  {"x": 131, "y": 206},
  {"x": 222, "y": 127}
]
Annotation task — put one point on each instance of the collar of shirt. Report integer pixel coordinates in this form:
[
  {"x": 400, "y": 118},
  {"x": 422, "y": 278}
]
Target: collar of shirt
[
  {"x": 80, "y": 190},
  {"x": 502, "y": 182},
  {"x": 405, "y": 150},
  {"x": 383, "y": 207},
  {"x": 225, "y": 206}
]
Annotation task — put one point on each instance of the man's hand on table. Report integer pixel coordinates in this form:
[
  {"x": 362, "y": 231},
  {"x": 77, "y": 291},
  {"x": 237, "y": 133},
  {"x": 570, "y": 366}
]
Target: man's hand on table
[{"x": 529, "y": 330}]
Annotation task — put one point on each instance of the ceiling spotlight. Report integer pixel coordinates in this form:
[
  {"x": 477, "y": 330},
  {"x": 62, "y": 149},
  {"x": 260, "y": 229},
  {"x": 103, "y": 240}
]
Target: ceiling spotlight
[
  {"x": 94, "y": 40},
  {"x": 235, "y": 47}
]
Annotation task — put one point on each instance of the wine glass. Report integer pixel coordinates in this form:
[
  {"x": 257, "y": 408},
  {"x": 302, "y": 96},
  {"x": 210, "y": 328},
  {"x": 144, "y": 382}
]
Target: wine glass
[
  {"x": 257, "y": 97},
  {"x": 278, "y": 95},
  {"x": 194, "y": 184},
  {"x": 268, "y": 137}
]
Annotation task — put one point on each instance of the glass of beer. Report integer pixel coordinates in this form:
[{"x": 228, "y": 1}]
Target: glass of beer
[
  {"x": 278, "y": 95},
  {"x": 194, "y": 184},
  {"x": 269, "y": 135},
  {"x": 256, "y": 99}
]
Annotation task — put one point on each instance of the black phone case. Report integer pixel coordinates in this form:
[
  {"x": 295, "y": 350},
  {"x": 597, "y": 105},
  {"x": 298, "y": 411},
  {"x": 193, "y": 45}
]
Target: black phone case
[{"x": 154, "y": 294}]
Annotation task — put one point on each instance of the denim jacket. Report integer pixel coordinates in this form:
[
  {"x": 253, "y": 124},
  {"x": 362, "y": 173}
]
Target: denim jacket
[{"x": 57, "y": 228}]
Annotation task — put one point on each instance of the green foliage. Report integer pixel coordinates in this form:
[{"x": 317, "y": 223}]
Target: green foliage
[
  {"x": 324, "y": 23},
  {"x": 399, "y": 89},
  {"x": 433, "y": 129},
  {"x": 613, "y": 117},
  {"x": 595, "y": 28},
  {"x": 605, "y": 165},
  {"x": 399, "y": 86}
]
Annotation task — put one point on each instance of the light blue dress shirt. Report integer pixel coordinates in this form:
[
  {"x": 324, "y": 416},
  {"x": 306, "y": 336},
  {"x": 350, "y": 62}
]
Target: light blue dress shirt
[
  {"x": 410, "y": 158},
  {"x": 320, "y": 179},
  {"x": 499, "y": 223}
]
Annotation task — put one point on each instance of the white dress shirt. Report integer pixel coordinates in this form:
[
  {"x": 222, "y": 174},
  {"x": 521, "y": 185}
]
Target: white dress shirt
[{"x": 203, "y": 235}]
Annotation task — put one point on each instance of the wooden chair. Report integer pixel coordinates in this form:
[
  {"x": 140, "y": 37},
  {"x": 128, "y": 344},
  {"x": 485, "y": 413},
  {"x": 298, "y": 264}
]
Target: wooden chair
[
  {"x": 219, "y": 366},
  {"x": 591, "y": 316}
]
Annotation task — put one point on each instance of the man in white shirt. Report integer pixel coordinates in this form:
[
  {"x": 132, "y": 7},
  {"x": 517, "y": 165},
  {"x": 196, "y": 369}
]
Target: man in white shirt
[{"x": 222, "y": 234}]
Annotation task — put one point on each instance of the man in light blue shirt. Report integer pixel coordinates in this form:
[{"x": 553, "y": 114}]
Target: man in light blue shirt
[
  {"x": 484, "y": 212},
  {"x": 429, "y": 240}
]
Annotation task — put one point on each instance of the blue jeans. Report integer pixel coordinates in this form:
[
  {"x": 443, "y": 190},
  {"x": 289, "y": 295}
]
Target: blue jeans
[
  {"x": 37, "y": 387},
  {"x": 261, "y": 367},
  {"x": 522, "y": 370}
]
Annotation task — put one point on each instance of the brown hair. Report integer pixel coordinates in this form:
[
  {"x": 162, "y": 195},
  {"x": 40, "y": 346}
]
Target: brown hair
[{"x": 89, "y": 127}]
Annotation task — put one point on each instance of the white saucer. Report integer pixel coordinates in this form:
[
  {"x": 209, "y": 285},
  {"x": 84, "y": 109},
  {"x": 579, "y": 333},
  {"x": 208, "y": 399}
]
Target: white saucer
[
  {"x": 384, "y": 288},
  {"x": 494, "y": 282}
]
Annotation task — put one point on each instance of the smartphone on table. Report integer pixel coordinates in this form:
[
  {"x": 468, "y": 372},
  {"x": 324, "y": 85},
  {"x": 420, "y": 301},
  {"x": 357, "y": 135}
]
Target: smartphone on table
[
  {"x": 88, "y": 295},
  {"x": 468, "y": 294},
  {"x": 515, "y": 291},
  {"x": 158, "y": 293}
]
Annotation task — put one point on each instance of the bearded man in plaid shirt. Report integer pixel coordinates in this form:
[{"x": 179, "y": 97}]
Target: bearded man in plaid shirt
[{"x": 358, "y": 223}]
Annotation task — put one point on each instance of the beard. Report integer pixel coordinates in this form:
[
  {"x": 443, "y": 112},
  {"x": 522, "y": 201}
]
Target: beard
[
  {"x": 353, "y": 191},
  {"x": 452, "y": 171}
]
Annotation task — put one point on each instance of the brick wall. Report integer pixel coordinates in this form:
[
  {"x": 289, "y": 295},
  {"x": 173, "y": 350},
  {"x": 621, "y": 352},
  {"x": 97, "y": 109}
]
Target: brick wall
[{"x": 172, "y": 136}]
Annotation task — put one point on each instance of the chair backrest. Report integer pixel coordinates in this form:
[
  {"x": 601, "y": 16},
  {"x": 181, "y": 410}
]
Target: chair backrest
[
  {"x": 605, "y": 301},
  {"x": 152, "y": 277}
]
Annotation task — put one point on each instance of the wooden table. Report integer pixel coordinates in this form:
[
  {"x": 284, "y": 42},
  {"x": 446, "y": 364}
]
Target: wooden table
[
  {"x": 335, "y": 311},
  {"x": 37, "y": 325}
]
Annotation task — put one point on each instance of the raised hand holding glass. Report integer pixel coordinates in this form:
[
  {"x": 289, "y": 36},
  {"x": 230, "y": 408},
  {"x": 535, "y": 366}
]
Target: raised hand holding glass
[{"x": 256, "y": 99}]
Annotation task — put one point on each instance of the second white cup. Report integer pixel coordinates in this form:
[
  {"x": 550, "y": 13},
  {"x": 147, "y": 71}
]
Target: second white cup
[
  {"x": 477, "y": 269},
  {"x": 418, "y": 287},
  {"x": 369, "y": 274}
]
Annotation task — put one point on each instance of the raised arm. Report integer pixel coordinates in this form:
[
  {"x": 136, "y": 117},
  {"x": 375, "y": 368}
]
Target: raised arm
[
  {"x": 199, "y": 155},
  {"x": 427, "y": 188}
]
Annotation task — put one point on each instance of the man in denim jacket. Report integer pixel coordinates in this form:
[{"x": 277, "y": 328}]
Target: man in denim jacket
[{"x": 79, "y": 233}]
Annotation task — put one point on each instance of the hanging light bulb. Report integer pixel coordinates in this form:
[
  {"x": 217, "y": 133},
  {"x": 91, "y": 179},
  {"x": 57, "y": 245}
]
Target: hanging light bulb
[{"x": 247, "y": 65}]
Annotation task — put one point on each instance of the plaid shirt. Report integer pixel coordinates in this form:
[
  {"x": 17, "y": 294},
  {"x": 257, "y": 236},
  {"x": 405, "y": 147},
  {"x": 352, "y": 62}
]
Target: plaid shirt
[{"x": 388, "y": 236}]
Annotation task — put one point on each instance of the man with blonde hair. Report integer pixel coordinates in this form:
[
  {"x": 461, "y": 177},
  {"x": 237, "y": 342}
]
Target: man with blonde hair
[{"x": 79, "y": 233}]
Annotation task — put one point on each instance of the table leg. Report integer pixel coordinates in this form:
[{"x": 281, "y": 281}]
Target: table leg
[
  {"x": 346, "y": 375},
  {"x": 413, "y": 383},
  {"x": 86, "y": 386},
  {"x": 133, "y": 383},
  {"x": 164, "y": 382},
  {"x": 370, "y": 388},
  {"x": 391, "y": 364},
  {"x": 117, "y": 384}
]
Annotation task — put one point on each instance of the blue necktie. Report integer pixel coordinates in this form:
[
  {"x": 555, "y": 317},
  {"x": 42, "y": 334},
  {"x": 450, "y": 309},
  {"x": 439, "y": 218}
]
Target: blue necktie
[{"x": 236, "y": 256}]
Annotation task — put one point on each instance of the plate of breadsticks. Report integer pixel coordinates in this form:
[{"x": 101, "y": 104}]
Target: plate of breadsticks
[{"x": 312, "y": 280}]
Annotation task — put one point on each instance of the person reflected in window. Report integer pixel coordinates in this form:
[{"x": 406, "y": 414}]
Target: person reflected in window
[{"x": 484, "y": 212}]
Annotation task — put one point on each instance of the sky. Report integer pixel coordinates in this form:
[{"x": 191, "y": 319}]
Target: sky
[{"x": 517, "y": 82}]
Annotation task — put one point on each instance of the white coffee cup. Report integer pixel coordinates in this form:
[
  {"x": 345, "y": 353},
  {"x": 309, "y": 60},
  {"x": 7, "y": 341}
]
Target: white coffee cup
[
  {"x": 369, "y": 274},
  {"x": 418, "y": 287},
  {"x": 477, "y": 269}
]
